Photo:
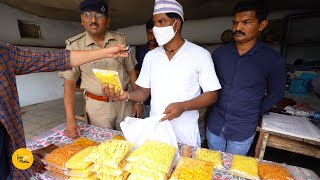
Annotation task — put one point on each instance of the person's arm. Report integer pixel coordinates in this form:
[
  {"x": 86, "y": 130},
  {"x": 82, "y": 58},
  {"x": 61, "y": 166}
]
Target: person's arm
[
  {"x": 276, "y": 84},
  {"x": 174, "y": 110},
  {"x": 78, "y": 58},
  {"x": 26, "y": 61},
  {"x": 72, "y": 128},
  {"x": 137, "y": 107}
]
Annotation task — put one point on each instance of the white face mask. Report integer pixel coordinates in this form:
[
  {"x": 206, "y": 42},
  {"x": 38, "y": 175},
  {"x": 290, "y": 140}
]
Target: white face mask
[{"x": 163, "y": 34}]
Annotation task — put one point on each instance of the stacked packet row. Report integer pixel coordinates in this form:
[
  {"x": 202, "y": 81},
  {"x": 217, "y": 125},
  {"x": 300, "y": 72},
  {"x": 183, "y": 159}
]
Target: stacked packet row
[
  {"x": 109, "y": 159},
  {"x": 57, "y": 160},
  {"x": 151, "y": 160}
]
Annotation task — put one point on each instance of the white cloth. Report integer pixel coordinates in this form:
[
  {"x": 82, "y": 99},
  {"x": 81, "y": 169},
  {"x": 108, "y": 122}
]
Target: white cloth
[{"x": 179, "y": 80}]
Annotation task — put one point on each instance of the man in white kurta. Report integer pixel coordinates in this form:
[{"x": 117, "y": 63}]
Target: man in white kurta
[
  {"x": 178, "y": 80},
  {"x": 174, "y": 74}
]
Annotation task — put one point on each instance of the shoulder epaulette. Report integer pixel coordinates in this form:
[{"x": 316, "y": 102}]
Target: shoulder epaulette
[
  {"x": 74, "y": 38},
  {"x": 119, "y": 33}
]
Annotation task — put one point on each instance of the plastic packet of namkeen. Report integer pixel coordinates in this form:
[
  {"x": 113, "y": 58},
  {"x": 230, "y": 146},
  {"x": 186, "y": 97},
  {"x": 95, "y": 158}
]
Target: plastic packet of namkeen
[
  {"x": 190, "y": 169},
  {"x": 145, "y": 173},
  {"x": 84, "y": 142},
  {"x": 58, "y": 157},
  {"x": 211, "y": 156},
  {"x": 271, "y": 171},
  {"x": 109, "y": 77},
  {"x": 77, "y": 160},
  {"x": 110, "y": 153},
  {"x": 80, "y": 173},
  {"x": 246, "y": 167},
  {"x": 154, "y": 155},
  {"x": 101, "y": 169},
  {"x": 123, "y": 176}
]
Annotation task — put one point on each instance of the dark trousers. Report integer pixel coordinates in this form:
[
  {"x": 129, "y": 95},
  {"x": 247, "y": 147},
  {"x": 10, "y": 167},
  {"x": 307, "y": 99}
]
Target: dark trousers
[{"x": 4, "y": 163}]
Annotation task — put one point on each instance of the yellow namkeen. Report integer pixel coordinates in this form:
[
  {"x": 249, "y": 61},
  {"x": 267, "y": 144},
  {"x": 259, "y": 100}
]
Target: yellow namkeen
[{"x": 109, "y": 77}]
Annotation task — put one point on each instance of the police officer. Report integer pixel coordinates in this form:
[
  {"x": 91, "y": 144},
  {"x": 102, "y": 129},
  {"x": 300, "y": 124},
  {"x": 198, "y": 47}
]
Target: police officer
[{"x": 102, "y": 113}]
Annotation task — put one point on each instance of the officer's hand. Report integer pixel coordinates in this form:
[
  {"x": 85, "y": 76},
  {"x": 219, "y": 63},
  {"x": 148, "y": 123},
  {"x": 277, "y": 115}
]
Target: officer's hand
[
  {"x": 73, "y": 130},
  {"x": 137, "y": 110},
  {"x": 173, "y": 110},
  {"x": 110, "y": 92},
  {"x": 117, "y": 51}
]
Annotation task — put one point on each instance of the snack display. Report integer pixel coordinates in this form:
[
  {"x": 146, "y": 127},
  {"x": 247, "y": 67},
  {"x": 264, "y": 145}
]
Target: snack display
[
  {"x": 60, "y": 156},
  {"x": 84, "y": 142},
  {"x": 77, "y": 161},
  {"x": 144, "y": 173},
  {"x": 100, "y": 169},
  {"x": 190, "y": 169},
  {"x": 123, "y": 176},
  {"x": 80, "y": 173},
  {"x": 211, "y": 156},
  {"x": 154, "y": 155},
  {"x": 109, "y": 77},
  {"x": 91, "y": 177},
  {"x": 243, "y": 166},
  {"x": 271, "y": 171},
  {"x": 110, "y": 153}
]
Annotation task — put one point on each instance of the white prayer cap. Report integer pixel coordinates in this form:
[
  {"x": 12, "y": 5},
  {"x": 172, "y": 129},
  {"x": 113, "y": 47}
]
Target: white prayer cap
[{"x": 168, "y": 6}]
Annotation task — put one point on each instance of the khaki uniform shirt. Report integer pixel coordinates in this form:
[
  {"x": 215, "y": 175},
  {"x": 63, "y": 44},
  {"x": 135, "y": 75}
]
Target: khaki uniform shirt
[{"x": 89, "y": 82}]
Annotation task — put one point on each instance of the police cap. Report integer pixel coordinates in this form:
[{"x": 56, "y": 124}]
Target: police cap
[{"x": 94, "y": 5}]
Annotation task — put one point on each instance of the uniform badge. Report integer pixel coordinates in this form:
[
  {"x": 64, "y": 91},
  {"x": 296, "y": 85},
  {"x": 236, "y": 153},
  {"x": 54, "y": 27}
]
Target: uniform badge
[{"x": 103, "y": 9}]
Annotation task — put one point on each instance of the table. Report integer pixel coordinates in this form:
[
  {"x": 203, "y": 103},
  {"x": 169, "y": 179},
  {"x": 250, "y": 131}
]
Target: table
[
  {"x": 58, "y": 136},
  {"x": 286, "y": 141}
]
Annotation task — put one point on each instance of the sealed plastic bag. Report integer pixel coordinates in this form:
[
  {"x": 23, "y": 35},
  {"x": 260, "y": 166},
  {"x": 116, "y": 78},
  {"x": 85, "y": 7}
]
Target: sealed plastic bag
[
  {"x": 77, "y": 161},
  {"x": 110, "y": 153},
  {"x": 190, "y": 169},
  {"x": 152, "y": 158},
  {"x": 211, "y": 156},
  {"x": 138, "y": 130},
  {"x": 109, "y": 77},
  {"x": 246, "y": 167},
  {"x": 272, "y": 171},
  {"x": 58, "y": 157}
]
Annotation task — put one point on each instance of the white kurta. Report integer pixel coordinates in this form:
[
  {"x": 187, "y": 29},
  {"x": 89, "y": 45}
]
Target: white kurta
[{"x": 179, "y": 80}]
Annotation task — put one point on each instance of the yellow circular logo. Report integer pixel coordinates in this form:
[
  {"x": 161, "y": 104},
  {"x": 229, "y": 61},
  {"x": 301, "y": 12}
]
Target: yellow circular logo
[{"x": 22, "y": 158}]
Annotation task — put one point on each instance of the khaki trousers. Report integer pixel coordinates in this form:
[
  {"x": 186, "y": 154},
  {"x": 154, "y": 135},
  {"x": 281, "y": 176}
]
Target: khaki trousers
[{"x": 108, "y": 114}]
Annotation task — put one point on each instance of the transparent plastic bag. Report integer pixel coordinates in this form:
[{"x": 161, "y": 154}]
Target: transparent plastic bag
[
  {"x": 77, "y": 161},
  {"x": 123, "y": 176},
  {"x": 190, "y": 169},
  {"x": 246, "y": 167},
  {"x": 154, "y": 155},
  {"x": 110, "y": 153},
  {"x": 101, "y": 169},
  {"x": 80, "y": 173},
  {"x": 110, "y": 78},
  {"x": 84, "y": 142},
  {"x": 211, "y": 156},
  {"x": 273, "y": 171},
  {"x": 144, "y": 172},
  {"x": 58, "y": 157}
]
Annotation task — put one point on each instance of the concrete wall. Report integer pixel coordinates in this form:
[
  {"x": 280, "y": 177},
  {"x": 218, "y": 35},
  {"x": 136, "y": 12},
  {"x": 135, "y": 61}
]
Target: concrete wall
[{"x": 54, "y": 32}]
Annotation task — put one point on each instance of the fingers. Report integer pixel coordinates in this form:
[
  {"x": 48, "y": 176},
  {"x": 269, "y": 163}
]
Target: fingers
[{"x": 79, "y": 131}]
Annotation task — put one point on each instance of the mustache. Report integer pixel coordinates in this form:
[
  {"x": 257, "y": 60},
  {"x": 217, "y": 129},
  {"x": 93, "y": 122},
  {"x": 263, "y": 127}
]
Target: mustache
[
  {"x": 93, "y": 24},
  {"x": 239, "y": 32}
]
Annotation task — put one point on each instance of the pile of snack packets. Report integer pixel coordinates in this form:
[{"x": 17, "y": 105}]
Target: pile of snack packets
[{"x": 118, "y": 159}]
